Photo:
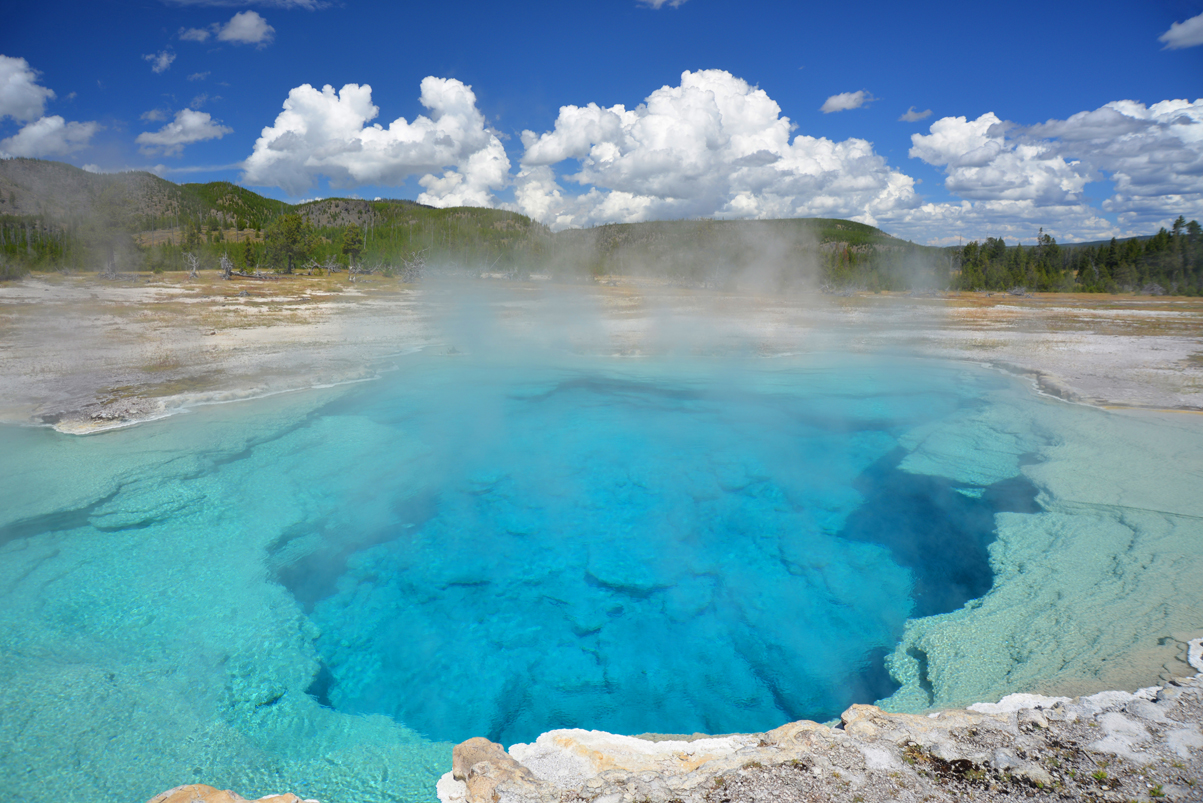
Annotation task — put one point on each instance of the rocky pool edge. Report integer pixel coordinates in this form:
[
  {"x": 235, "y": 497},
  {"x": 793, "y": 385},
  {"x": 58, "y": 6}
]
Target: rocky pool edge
[
  {"x": 1145, "y": 745},
  {"x": 1113, "y": 745}
]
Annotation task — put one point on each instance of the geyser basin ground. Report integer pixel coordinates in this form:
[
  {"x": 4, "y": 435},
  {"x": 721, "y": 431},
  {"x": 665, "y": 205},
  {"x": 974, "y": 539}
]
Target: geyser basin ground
[{"x": 305, "y": 592}]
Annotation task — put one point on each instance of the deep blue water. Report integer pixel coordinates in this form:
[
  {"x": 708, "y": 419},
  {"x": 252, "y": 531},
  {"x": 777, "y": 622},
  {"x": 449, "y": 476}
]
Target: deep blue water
[
  {"x": 639, "y": 552},
  {"x": 317, "y": 593}
]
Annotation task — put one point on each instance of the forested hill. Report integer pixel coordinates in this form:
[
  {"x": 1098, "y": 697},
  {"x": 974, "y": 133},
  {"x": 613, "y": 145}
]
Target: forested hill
[
  {"x": 55, "y": 216},
  {"x": 54, "y": 193}
]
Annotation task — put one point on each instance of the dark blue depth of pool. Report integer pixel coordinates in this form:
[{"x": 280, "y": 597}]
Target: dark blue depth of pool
[{"x": 694, "y": 547}]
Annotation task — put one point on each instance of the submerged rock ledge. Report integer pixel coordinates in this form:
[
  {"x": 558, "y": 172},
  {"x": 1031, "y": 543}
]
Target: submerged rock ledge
[{"x": 1146, "y": 745}]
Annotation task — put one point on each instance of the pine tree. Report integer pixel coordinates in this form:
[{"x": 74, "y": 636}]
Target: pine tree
[
  {"x": 289, "y": 240},
  {"x": 352, "y": 242}
]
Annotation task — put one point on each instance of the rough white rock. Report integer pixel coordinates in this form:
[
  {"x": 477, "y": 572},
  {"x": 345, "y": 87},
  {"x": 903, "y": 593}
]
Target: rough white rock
[{"x": 1017, "y": 702}]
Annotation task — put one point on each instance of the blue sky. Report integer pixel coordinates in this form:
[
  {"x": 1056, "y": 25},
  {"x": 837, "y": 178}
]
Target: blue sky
[{"x": 1083, "y": 118}]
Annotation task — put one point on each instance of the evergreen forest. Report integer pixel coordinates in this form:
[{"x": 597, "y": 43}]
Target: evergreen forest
[{"x": 1171, "y": 261}]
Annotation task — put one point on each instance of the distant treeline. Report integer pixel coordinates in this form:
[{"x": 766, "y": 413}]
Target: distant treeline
[{"x": 1169, "y": 261}]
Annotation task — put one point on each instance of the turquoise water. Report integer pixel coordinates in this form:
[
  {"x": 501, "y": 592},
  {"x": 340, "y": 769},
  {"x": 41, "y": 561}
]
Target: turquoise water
[{"x": 319, "y": 592}]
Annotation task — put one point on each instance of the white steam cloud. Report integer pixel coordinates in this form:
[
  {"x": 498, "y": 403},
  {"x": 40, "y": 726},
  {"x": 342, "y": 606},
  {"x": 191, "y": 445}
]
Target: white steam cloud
[
  {"x": 188, "y": 126},
  {"x": 1183, "y": 34},
  {"x": 846, "y": 101},
  {"x": 326, "y": 133},
  {"x": 713, "y": 146},
  {"x": 23, "y": 99}
]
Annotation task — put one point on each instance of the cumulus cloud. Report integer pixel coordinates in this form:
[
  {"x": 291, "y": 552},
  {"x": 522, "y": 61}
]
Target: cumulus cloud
[
  {"x": 713, "y": 146},
  {"x": 244, "y": 28},
  {"x": 662, "y": 3},
  {"x": 188, "y": 126},
  {"x": 946, "y": 223},
  {"x": 198, "y": 76},
  {"x": 21, "y": 98},
  {"x": 845, "y": 101},
  {"x": 913, "y": 116},
  {"x": 326, "y": 133},
  {"x": 49, "y": 136},
  {"x": 161, "y": 61},
  {"x": 247, "y": 28},
  {"x": 1153, "y": 155},
  {"x": 1183, "y": 34}
]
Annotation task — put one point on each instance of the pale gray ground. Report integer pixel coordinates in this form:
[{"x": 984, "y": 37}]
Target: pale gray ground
[{"x": 89, "y": 353}]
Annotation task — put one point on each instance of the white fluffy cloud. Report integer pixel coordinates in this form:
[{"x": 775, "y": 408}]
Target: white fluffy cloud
[
  {"x": 948, "y": 223},
  {"x": 188, "y": 126},
  {"x": 21, "y": 98},
  {"x": 49, "y": 136},
  {"x": 662, "y": 3},
  {"x": 712, "y": 146},
  {"x": 244, "y": 28},
  {"x": 913, "y": 116},
  {"x": 24, "y": 100},
  {"x": 1183, "y": 34},
  {"x": 846, "y": 100},
  {"x": 326, "y": 133},
  {"x": 161, "y": 61},
  {"x": 983, "y": 164},
  {"x": 1153, "y": 155}
]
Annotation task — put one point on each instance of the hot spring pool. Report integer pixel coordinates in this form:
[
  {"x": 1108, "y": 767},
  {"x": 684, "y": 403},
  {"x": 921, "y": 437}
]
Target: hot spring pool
[{"x": 320, "y": 592}]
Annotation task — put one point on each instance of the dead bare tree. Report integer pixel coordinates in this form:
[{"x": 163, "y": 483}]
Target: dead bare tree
[
  {"x": 354, "y": 271},
  {"x": 227, "y": 267},
  {"x": 193, "y": 264},
  {"x": 413, "y": 266}
]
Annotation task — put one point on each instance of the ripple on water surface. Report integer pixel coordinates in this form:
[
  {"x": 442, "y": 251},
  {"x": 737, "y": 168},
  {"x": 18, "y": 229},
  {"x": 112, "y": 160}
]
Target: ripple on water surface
[{"x": 319, "y": 592}]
